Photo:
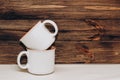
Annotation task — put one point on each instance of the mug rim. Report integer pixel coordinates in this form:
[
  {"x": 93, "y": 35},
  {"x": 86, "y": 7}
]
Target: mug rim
[{"x": 51, "y": 48}]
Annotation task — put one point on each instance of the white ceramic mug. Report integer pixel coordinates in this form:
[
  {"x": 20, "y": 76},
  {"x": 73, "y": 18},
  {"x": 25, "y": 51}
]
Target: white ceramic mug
[
  {"x": 38, "y": 62},
  {"x": 39, "y": 37}
]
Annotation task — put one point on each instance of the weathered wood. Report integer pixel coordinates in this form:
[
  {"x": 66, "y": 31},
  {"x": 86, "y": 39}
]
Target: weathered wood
[
  {"x": 73, "y": 52},
  {"x": 68, "y": 29},
  {"x": 54, "y": 9},
  {"x": 68, "y": 52},
  {"x": 89, "y": 30}
]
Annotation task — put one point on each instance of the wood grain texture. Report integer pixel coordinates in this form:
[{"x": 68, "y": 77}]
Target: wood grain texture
[
  {"x": 73, "y": 42},
  {"x": 78, "y": 30},
  {"x": 69, "y": 51},
  {"x": 54, "y": 9},
  {"x": 89, "y": 30}
]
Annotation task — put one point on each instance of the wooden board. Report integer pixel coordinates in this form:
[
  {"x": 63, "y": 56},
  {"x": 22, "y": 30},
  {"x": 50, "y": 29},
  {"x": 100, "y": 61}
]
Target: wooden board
[
  {"x": 63, "y": 9},
  {"x": 69, "y": 51},
  {"x": 78, "y": 30}
]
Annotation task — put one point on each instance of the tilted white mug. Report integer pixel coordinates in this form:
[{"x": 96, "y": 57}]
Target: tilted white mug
[
  {"x": 39, "y": 37},
  {"x": 38, "y": 62}
]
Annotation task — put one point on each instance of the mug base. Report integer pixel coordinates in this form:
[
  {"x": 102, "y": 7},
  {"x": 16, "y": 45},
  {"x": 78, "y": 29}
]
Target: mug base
[{"x": 41, "y": 74}]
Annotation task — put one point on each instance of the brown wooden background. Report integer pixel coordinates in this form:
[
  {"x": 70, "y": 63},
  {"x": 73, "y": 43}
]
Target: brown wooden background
[{"x": 89, "y": 30}]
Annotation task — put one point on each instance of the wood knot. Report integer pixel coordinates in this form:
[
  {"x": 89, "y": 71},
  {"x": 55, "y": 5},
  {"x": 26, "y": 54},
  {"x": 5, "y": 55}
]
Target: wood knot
[
  {"x": 100, "y": 29},
  {"x": 84, "y": 49}
]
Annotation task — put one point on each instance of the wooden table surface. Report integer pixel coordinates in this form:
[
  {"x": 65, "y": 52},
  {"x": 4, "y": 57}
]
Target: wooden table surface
[{"x": 89, "y": 30}]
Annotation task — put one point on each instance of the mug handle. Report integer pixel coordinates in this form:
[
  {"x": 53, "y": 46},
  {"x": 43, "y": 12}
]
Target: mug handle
[
  {"x": 19, "y": 57},
  {"x": 54, "y": 25}
]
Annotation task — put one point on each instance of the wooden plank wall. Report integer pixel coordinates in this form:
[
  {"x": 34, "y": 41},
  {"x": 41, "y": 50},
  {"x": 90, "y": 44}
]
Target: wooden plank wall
[{"x": 89, "y": 30}]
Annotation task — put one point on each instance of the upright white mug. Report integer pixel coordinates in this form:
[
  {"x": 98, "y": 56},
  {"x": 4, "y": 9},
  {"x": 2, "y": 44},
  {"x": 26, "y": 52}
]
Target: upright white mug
[
  {"x": 38, "y": 62},
  {"x": 39, "y": 37}
]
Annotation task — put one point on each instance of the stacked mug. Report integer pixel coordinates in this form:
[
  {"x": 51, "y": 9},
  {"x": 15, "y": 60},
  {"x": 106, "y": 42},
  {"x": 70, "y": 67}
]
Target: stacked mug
[{"x": 40, "y": 59}]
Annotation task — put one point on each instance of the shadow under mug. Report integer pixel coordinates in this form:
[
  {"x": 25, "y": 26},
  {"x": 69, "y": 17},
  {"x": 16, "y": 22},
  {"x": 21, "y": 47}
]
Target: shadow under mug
[
  {"x": 38, "y": 62},
  {"x": 39, "y": 37}
]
